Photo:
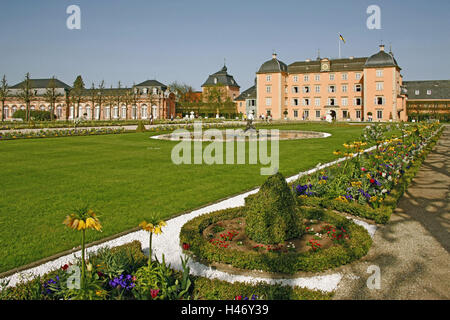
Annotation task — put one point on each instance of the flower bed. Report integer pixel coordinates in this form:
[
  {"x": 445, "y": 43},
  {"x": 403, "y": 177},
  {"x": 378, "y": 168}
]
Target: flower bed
[
  {"x": 369, "y": 184},
  {"x": 282, "y": 261},
  {"x": 14, "y": 135},
  {"x": 113, "y": 274}
]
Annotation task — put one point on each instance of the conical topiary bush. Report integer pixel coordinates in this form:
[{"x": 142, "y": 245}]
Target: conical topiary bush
[{"x": 270, "y": 214}]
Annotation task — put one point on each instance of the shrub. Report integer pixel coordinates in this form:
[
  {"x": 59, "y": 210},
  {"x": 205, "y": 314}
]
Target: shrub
[
  {"x": 37, "y": 115},
  {"x": 270, "y": 215},
  {"x": 141, "y": 127}
]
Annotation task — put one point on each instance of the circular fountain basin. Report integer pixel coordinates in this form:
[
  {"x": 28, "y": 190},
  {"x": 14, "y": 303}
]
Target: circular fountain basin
[{"x": 250, "y": 135}]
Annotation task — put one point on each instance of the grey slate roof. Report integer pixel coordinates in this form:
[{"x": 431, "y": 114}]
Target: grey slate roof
[
  {"x": 222, "y": 77},
  {"x": 381, "y": 59},
  {"x": 313, "y": 66},
  {"x": 440, "y": 89},
  {"x": 42, "y": 84},
  {"x": 152, "y": 83},
  {"x": 250, "y": 93},
  {"x": 273, "y": 65}
]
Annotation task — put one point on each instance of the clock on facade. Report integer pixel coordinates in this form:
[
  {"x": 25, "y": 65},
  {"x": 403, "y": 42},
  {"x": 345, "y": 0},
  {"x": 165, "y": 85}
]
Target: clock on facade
[{"x": 325, "y": 66}]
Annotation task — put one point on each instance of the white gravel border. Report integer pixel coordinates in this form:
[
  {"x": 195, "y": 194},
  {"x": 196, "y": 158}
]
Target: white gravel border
[{"x": 169, "y": 244}]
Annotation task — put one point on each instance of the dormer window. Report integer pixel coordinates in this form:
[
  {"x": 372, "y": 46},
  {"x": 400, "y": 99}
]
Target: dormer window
[
  {"x": 215, "y": 80},
  {"x": 417, "y": 92},
  {"x": 428, "y": 92}
]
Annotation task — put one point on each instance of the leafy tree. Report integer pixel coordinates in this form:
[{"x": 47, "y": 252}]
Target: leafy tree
[
  {"x": 4, "y": 93},
  {"x": 77, "y": 94}
]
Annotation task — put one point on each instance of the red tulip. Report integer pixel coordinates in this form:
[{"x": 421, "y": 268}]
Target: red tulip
[{"x": 154, "y": 293}]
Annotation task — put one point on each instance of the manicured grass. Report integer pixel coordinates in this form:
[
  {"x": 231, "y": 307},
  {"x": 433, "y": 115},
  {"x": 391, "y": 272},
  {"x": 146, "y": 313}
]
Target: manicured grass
[{"x": 125, "y": 178}]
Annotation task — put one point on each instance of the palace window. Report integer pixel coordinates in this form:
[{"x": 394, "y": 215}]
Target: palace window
[
  {"x": 331, "y": 76},
  {"x": 295, "y": 89},
  {"x": 357, "y": 101},
  {"x": 358, "y": 114},
  {"x": 344, "y": 101},
  {"x": 317, "y": 77},
  {"x": 317, "y": 113},
  {"x": 268, "y": 78},
  {"x": 317, "y": 87},
  {"x": 306, "y": 78},
  {"x": 295, "y": 102},
  {"x": 357, "y": 76},
  {"x": 295, "y": 78},
  {"x": 306, "y": 89},
  {"x": 332, "y": 89},
  {"x": 345, "y": 114},
  {"x": 379, "y": 101},
  {"x": 295, "y": 113},
  {"x": 379, "y": 114},
  {"x": 268, "y": 89},
  {"x": 358, "y": 88},
  {"x": 344, "y": 76},
  {"x": 268, "y": 101},
  {"x": 331, "y": 101},
  {"x": 344, "y": 88},
  {"x": 317, "y": 102},
  {"x": 306, "y": 114},
  {"x": 306, "y": 102},
  {"x": 379, "y": 86},
  {"x": 379, "y": 73}
]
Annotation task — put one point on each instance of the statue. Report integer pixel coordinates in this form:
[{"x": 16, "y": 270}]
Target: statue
[{"x": 250, "y": 125}]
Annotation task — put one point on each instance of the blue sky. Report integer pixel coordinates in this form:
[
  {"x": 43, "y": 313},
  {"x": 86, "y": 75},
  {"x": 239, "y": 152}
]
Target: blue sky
[{"x": 186, "y": 40}]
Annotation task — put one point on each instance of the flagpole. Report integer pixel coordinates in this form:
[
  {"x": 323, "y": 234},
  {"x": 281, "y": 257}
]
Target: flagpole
[{"x": 339, "y": 40}]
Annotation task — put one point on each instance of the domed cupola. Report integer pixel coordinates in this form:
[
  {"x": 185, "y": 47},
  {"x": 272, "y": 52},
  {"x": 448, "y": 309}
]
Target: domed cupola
[
  {"x": 381, "y": 59},
  {"x": 273, "y": 65}
]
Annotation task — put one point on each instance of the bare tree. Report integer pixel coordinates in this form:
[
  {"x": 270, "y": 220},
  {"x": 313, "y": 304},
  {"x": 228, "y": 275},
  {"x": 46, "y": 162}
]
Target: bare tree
[
  {"x": 93, "y": 96},
  {"x": 4, "y": 93},
  {"x": 118, "y": 93},
  {"x": 51, "y": 95},
  {"x": 26, "y": 94}
]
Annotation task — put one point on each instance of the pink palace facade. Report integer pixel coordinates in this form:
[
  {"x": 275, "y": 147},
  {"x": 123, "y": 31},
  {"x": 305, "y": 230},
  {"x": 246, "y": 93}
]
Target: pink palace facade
[{"x": 356, "y": 89}]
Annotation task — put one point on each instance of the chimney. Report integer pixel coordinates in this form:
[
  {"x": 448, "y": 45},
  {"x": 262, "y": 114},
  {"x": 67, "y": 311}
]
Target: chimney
[
  {"x": 381, "y": 47},
  {"x": 351, "y": 57},
  {"x": 274, "y": 55},
  {"x": 308, "y": 60}
]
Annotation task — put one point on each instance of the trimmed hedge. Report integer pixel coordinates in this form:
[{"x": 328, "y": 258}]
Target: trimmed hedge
[
  {"x": 383, "y": 213},
  {"x": 356, "y": 247},
  {"x": 208, "y": 289},
  {"x": 271, "y": 215}
]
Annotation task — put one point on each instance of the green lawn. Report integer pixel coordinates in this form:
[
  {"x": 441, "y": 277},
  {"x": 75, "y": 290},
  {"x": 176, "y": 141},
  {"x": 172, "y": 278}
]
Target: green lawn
[{"x": 125, "y": 178}]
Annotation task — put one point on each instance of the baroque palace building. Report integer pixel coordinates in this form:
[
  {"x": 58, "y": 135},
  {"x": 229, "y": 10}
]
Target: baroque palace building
[
  {"x": 149, "y": 98},
  {"x": 367, "y": 88},
  {"x": 356, "y": 89}
]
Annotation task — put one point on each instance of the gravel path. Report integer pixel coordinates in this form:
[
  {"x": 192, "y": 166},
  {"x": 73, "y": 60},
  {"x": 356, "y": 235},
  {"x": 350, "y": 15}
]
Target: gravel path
[{"x": 412, "y": 250}]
